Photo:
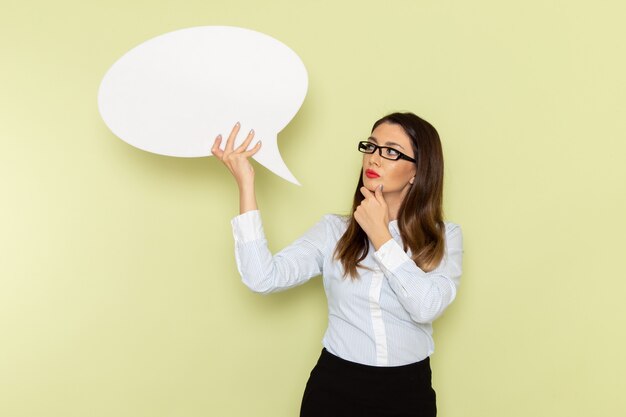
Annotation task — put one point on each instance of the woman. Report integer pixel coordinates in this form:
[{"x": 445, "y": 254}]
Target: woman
[{"x": 389, "y": 270}]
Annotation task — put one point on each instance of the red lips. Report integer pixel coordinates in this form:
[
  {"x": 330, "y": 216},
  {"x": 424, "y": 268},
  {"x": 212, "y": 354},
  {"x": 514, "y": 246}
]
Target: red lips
[{"x": 370, "y": 173}]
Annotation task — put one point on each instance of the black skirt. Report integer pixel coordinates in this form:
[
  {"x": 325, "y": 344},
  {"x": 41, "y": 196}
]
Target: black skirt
[{"x": 340, "y": 388}]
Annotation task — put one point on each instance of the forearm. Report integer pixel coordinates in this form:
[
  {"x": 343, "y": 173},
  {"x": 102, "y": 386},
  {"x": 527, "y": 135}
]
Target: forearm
[
  {"x": 247, "y": 197},
  {"x": 424, "y": 295}
]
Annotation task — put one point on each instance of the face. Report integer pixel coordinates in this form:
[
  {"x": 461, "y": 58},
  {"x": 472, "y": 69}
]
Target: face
[{"x": 395, "y": 176}]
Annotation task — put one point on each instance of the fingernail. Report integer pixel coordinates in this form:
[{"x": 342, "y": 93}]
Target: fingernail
[
  {"x": 251, "y": 131},
  {"x": 237, "y": 124},
  {"x": 219, "y": 137}
]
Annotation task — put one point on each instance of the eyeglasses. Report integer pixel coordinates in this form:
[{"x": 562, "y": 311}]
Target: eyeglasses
[{"x": 389, "y": 153}]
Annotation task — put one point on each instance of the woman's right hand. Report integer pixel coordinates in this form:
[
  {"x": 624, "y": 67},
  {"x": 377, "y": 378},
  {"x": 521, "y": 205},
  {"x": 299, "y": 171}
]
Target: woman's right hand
[{"x": 236, "y": 160}]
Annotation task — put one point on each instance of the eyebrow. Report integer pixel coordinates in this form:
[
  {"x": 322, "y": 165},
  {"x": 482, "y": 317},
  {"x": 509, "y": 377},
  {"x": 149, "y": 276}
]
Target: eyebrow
[{"x": 373, "y": 139}]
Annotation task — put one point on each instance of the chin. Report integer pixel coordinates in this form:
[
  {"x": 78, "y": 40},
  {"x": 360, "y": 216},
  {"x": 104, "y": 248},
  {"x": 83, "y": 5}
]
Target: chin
[{"x": 371, "y": 183}]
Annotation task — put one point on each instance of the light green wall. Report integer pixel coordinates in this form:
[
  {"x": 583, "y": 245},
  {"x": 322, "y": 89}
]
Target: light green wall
[{"x": 119, "y": 294}]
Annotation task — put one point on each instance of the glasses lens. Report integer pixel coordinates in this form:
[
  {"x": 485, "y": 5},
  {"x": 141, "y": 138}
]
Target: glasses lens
[
  {"x": 391, "y": 153},
  {"x": 366, "y": 147}
]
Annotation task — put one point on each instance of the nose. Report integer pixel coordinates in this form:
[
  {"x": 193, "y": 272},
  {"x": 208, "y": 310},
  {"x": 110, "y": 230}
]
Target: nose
[{"x": 375, "y": 158}]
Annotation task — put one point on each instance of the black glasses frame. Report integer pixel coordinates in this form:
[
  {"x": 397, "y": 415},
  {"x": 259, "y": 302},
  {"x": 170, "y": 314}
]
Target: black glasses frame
[{"x": 364, "y": 145}]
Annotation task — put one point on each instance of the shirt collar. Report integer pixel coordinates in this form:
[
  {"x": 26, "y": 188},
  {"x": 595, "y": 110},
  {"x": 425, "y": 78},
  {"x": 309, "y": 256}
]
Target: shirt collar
[{"x": 393, "y": 227}]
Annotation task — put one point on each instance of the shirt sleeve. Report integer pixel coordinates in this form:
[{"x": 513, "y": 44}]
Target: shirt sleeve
[
  {"x": 425, "y": 295},
  {"x": 292, "y": 266}
]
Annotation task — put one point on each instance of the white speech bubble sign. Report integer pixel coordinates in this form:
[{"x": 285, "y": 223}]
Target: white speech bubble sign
[{"x": 173, "y": 94}]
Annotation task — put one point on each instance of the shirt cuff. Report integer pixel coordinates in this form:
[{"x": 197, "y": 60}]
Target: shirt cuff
[
  {"x": 247, "y": 226},
  {"x": 390, "y": 255}
]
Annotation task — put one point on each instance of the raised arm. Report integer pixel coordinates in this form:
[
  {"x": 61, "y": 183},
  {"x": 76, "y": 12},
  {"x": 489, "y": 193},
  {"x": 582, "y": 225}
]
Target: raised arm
[
  {"x": 292, "y": 266},
  {"x": 261, "y": 271}
]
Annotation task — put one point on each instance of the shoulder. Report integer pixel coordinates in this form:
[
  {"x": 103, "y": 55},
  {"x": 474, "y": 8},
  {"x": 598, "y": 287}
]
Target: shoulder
[
  {"x": 329, "y": 224},
  {"x": 335, "y": 225},
  {"x": 452, "y": 228},
  {"x": 336, "y": 220},
  {"x": 454, "y": 234}
]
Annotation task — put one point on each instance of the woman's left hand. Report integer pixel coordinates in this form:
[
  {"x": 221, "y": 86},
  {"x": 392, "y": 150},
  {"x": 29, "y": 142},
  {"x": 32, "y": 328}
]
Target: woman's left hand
[{"x": 373, "y": 216}]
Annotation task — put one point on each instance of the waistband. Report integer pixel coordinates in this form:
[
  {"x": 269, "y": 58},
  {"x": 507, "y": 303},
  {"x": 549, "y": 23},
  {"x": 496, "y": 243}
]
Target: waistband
[{"x": 328, "y": 358}]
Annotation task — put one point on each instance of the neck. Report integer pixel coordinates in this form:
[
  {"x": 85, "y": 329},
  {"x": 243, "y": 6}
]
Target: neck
[{"x": 393, "y": 200}]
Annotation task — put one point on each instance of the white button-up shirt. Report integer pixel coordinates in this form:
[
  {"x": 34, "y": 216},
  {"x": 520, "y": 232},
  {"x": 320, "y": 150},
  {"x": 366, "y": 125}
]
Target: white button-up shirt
[{"x": 384, "y": 318}]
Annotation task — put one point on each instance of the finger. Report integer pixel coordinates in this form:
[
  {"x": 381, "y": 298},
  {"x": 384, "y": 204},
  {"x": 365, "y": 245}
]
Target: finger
[
  {"x": 366, "y": 193},
  {"x": 379, "y": 194},
  {"x": 246, "y": 142},
  {"x": 215, "y": 150},
  {"x": 230, "y": 143},
  {"x": 252, "y": 151}
]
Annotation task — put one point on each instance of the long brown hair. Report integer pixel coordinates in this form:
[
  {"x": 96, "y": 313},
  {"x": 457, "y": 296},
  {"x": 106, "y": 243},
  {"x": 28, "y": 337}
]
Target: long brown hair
[{"x": 420, "y": 217}]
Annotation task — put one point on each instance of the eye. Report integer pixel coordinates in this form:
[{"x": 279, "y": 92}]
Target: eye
[
  {"x": 392, "y": 152},
  {"x": 369, "y": 147}
]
